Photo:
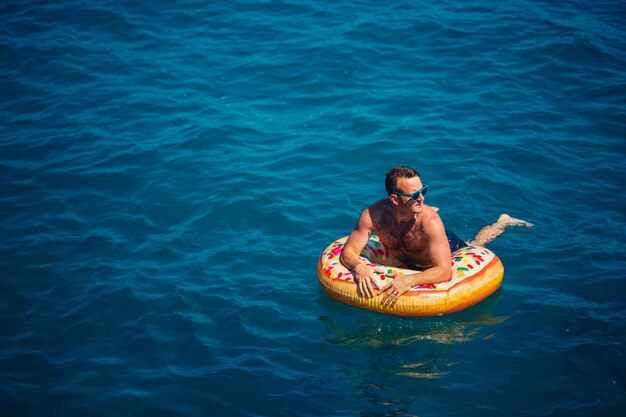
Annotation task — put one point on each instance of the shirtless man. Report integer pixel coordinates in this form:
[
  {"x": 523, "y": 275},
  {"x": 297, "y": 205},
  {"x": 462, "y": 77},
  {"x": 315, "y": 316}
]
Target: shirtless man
[{"x": 414, "y": 234}]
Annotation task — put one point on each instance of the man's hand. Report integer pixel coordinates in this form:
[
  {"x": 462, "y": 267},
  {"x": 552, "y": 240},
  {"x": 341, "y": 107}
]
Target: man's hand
[
  {"x": 400, "y": 284},
  {"x": 365, "y": 277}
]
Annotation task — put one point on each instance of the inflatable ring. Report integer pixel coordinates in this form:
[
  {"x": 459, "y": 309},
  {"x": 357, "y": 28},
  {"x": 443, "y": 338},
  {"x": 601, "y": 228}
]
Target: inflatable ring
[{"x": 476, "y": 274}]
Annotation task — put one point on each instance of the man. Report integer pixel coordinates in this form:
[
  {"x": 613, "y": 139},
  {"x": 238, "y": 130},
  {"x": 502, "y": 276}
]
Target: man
[{"x": 414, "y": 234}]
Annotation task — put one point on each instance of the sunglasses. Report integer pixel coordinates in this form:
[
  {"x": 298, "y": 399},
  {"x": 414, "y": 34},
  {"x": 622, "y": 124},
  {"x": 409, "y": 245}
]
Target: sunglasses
[{"x": 416, "y": 194}]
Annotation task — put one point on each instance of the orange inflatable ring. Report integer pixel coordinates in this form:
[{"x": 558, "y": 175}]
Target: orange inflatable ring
[{"x": 476, "y": 274}]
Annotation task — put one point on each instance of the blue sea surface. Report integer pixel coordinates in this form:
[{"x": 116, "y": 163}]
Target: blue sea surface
[{"x": 172, "y": 170}]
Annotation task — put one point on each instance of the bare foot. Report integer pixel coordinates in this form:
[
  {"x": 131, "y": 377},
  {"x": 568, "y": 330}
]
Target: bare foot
[
  {"x": 506, "y": 220},
  {"x": 489, "y": 233}
]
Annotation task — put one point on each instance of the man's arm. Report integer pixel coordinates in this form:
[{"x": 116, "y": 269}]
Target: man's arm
[
  {"x": 350, "y": 256},
  {"x": 440, "y": 271}
]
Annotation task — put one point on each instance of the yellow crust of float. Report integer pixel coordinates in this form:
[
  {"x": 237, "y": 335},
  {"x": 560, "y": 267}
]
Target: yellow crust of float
[{"x": 476, "y": 274}]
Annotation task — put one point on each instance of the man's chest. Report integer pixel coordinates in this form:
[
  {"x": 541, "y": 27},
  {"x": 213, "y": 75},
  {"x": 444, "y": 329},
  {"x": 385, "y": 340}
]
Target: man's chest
[{"x": 403, "y": 237}]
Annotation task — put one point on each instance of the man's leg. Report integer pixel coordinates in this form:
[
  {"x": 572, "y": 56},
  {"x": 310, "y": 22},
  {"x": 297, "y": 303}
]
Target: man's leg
[{"x": 489, "y": 233}]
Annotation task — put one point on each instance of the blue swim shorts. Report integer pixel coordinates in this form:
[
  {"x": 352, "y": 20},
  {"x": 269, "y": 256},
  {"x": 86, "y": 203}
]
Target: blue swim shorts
[{"x": 455, "y": 242}]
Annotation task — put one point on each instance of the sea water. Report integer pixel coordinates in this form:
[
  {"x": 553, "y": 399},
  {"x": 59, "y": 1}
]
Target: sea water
[{"x": 171, "y": 172}]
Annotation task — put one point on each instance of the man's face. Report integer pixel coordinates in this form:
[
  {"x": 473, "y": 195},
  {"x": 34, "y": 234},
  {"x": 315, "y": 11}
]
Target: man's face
[{"x": 409, "y": 186}]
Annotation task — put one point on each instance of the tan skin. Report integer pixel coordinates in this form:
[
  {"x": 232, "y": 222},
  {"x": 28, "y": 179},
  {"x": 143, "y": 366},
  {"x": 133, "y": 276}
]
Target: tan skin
[{"x": 414, "y": 234}]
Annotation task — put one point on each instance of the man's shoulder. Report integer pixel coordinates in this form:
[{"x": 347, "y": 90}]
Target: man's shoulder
[
  {"x": 431, "y": 220},
  {"x": 382, "y": 203},
  {"x": 381, "y": 206}
]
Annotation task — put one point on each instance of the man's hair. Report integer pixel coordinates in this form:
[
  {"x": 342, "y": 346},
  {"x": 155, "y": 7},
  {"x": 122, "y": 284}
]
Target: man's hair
[{"x": 391, "y": 181}]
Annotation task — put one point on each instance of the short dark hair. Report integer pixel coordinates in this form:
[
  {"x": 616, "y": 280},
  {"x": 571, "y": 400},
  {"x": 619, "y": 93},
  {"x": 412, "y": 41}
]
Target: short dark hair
[{"x": 391, "y": 181}]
